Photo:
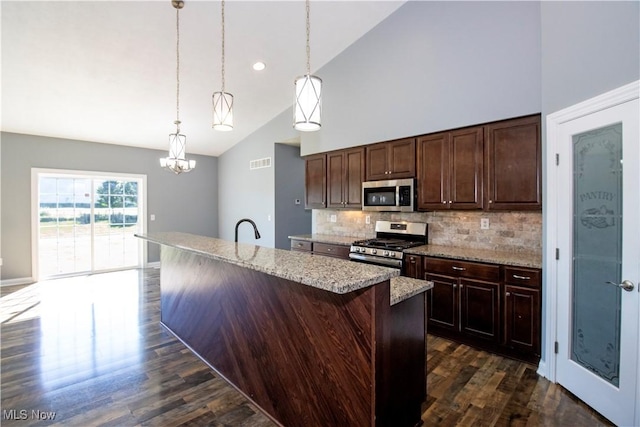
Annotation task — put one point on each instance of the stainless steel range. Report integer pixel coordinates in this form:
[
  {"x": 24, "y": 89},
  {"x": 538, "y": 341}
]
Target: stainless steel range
[{"x": 392, "y": 238}]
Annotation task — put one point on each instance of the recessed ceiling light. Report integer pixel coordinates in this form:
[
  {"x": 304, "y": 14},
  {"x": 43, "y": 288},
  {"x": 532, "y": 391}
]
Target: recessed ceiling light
[{"x": 259, "y": 66}]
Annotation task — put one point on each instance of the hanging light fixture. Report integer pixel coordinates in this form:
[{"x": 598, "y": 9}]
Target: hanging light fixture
[
  {"x": 307, "y": 106},
  {"x": 177, "y": 162},
  {"x": 222, "y": 101}
]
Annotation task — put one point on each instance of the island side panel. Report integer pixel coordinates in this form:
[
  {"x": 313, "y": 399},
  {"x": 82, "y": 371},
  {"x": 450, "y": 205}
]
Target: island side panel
[
  {"x": 408, "y": 341},
  {"x": 302, "y": 354}
]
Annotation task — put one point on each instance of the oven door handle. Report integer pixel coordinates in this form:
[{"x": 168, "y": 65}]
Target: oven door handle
[{"x": 376, "y": 260}]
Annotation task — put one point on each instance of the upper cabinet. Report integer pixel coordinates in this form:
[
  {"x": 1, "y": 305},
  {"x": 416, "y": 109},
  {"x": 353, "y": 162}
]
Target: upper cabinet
[
  {"x": 450, "y": 166},
  {"x": 496, "y": 166},
  {"x": 315, "y": 180},
  {"x": 513, "y": 164},
  {"x": 345, "y": 173},
  {"x": 391, "y": 160}
]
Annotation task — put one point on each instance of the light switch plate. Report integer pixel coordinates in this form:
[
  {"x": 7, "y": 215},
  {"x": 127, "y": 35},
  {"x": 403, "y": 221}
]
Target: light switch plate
[
  {"x": 367, "y": 219},
  {"x": 333, "y": 218}
]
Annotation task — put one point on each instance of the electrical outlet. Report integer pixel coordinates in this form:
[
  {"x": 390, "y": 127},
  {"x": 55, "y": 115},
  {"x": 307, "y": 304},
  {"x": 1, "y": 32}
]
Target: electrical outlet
[
  {"x": 367, "y": 219},
  {"x": 152, "y": 217},
  {"x": 268, "y": 217},
  {"x": 333, "y": 218},
  {"x": 296, "y": 201},
  {"x": 0, "y": 262},
  {"x": 484, "y": 223}
]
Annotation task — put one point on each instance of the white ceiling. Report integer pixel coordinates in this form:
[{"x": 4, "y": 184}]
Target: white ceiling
[{"x": 105, "y": 71}]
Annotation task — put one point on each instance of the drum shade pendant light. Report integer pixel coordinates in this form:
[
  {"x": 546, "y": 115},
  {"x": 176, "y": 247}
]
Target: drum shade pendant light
[
  {"x": 307, "y": 105},
  {"x": 222, "y": 101},
  {"x": 177, "y": 162}
]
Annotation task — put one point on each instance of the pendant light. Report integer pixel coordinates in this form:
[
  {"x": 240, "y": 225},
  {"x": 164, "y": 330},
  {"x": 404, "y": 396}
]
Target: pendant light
[
  {"x": 176, "y": 162},
  {"x": 222, "y": 101},
  {"x": 307, "y": 106}
]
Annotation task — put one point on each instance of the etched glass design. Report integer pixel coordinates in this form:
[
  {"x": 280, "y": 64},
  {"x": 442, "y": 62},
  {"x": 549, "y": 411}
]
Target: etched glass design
[{"x": 597, "y": 250}]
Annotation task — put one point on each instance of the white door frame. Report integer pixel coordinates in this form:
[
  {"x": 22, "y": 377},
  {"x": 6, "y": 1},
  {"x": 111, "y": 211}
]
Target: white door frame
[{"x": 610, "y": 99}]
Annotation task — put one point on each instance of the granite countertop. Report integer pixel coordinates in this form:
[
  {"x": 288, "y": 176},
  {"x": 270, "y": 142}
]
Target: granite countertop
[
  {"x": 331, "y": 274},
  {"x": 517, "y": 259},
  {"x": 326, "y": 238}
]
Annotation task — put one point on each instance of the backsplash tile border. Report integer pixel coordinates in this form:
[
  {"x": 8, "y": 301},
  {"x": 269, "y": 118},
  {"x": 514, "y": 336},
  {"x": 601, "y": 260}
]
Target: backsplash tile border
[{"x": 508, "y": 231}]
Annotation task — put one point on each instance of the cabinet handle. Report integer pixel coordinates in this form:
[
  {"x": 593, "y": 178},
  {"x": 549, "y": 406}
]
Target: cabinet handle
[
  {"x": 461, "y": 286},
  {"x": 458, "y": 268},
  {"x": 300, "y": 244},
  {"x": 444, "y": 202},
  {"x": 449, "y": 201},
  {"x": 455, "y": 286},
  {"x": 490, "y": 201},
  {"x": 412, "y": 260},
  {"x": 508, "y": 294},
  {"x": 515, "y": 276},
  {"x": 328, "y": 249}
]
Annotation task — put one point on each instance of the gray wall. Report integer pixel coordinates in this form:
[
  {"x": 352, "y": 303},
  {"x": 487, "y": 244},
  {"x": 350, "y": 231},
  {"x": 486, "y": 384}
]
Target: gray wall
[
  {"x": 432, "y": 66},
  {"x": 187, "y": 202},
  {"x": 289, "y": 186},
  {"x": 588, "y": 48},
  {"x": 248, "y": 193}
]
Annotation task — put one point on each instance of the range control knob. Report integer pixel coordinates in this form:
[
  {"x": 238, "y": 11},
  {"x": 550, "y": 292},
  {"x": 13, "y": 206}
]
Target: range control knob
[
  {"x": 374, "y": 251},
  {"x": 392, "y": 254},
  {"x": 385, "y": 253}
]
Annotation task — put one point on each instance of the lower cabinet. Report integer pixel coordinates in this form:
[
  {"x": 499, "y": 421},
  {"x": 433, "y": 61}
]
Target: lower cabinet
[
  {"x": 327, "y": 249},
  {"x": 493, "y": 307}
]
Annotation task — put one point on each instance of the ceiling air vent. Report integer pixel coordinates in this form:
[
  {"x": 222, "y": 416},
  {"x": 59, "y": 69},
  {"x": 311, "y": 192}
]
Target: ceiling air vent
[{"x": 260, "y": 163}]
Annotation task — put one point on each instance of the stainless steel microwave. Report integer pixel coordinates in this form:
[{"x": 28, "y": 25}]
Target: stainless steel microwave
[{"x": 396, "y": 195}]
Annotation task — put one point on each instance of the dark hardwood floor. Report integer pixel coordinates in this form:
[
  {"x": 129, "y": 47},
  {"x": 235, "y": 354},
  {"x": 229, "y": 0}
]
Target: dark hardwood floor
[{"x": 90, "y": 351}]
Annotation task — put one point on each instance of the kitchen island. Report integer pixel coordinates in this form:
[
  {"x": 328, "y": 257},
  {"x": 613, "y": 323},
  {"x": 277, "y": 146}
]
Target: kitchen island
[{"x": 311, "y": 340}]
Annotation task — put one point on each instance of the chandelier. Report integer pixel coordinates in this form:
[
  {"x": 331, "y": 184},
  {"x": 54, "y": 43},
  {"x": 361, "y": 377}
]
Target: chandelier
[
  {"x": 222, "y": 101},
  {"x": 307, "y": 106},
  {"x": 176, "y": 162}
]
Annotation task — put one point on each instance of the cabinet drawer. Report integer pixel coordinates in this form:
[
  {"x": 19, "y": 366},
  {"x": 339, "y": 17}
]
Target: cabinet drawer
[
  {"x": 301, "y": 245},
  {"x": 331, "y": 250},
  {"x": 522, "y": 276},
  {"x": 455, "y": 268}
]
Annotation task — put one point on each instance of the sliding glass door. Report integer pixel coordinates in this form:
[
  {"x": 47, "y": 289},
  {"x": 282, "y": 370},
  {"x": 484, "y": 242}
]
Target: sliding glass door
[{"x": 86, "y": 222}]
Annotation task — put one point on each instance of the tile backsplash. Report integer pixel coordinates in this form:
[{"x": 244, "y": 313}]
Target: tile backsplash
[{"x": 508, "y": 231}]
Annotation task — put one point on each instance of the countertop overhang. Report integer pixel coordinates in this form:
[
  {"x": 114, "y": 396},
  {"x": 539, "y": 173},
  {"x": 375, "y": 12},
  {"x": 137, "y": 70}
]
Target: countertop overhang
[{"x": 330, "y": 274}]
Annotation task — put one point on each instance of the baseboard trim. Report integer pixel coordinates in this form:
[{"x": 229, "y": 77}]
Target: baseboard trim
[
  {"x": 18, "y": 281},
  {"x": 542, "y": 369},
  {"x": 155, "y": 264}
]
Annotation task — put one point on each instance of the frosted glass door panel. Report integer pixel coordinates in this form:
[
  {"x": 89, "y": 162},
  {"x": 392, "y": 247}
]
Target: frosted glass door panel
[{"x": 597, "y": 250}]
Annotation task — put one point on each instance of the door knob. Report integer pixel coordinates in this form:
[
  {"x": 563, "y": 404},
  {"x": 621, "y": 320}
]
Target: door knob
[{"x": 627, "y": 285}]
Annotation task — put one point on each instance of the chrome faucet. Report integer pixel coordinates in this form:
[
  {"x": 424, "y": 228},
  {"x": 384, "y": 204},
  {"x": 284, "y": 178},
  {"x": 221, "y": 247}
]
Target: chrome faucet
[{"x": 255, "y": 229}]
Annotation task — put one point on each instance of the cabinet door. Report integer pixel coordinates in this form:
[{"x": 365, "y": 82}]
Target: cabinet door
[
  {"x": 315, "y": 181},
  {"x": 522, "y": 319},
  {"x": 353, "y": 177},
  {"x": 480, "y": 309},
  {"x": 377, "y": 162},
  {"x": 433, "y": 171},
  {"x": 412, "y": 266},
  {"x": 514, "y": 165},
  {"x": 442, "y": 302},
  {"x": 466, "y": 166},
  {"x": 335, "y": 179},
  {"x": 402, "y": 159}
]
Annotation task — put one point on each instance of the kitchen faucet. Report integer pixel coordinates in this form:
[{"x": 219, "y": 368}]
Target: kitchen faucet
[{"x": 255, "y": 229}]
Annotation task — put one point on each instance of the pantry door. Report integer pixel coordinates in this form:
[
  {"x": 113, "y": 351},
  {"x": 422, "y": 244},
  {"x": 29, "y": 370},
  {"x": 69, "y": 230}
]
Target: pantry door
[{"x": 598, "y": 257}]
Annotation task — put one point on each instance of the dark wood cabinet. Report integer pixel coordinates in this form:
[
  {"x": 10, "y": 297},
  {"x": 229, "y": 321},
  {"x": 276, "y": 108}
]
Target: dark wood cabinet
[
  {"x": 345, "y": 173},
  {"x": 315, "y": 180},
  {"x": 391, "y": 160},
  {"x": 522, "y": 310},
  {"x": 326, "y": 249},
  {"x": 493, "y": 307},
  {"x": 513, "y": 163},
  {"x": 450, "y": 166},
  {"x": 412, "y": 266},
  {"x": 480, "y": 309},
  {"x": 301, "y": 245},
  {"x": 465, "y": 298}
]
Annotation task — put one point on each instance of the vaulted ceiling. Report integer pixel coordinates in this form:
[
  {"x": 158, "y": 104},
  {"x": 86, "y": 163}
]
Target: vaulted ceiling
[{"x": 105, "y": 71}]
